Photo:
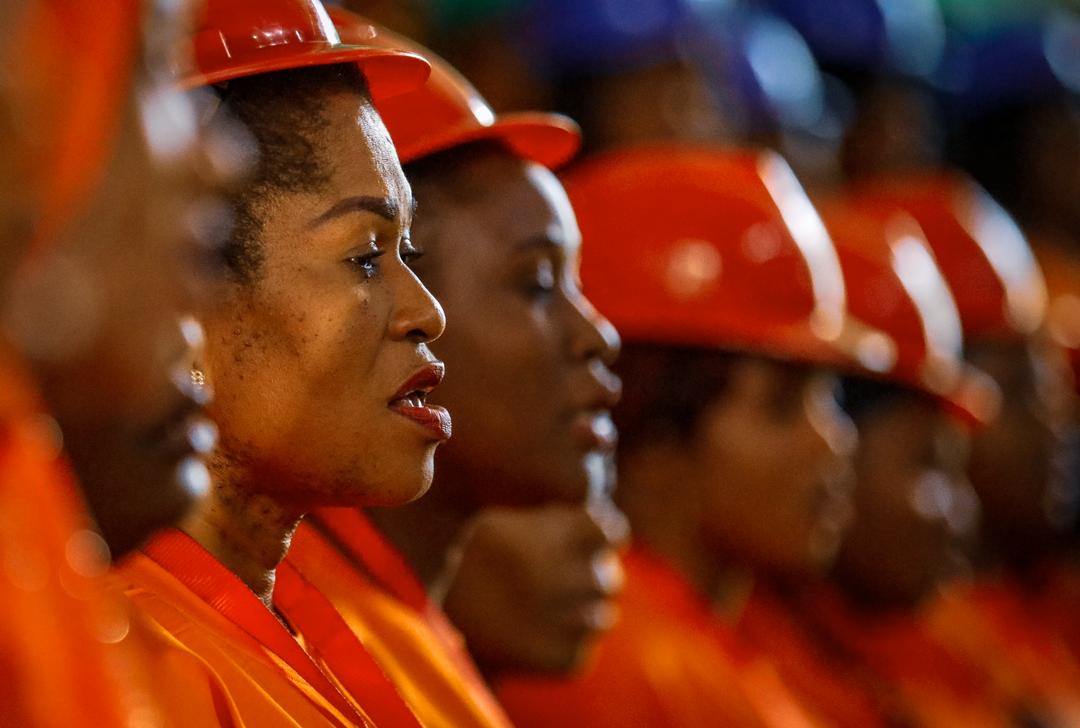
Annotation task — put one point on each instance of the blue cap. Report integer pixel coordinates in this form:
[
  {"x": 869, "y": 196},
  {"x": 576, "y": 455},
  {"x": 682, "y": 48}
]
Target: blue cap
[
  {"x": 1013, "y": 64},
  {"x": 903, "y": 37}
]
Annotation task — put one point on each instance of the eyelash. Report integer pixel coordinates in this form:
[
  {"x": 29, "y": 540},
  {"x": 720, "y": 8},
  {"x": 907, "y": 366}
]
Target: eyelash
[
  {"x": 367, "y": 263},
  {"x": 411, "y": 255},
  {"x": 369, "y": 266}
]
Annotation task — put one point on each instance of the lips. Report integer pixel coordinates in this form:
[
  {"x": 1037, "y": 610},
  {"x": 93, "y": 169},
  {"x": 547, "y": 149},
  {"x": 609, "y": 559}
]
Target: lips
[
  {"x": 594, "y": 430},
  {"x": 592, "y": 426},
  {"x": 410, "y": 401}
]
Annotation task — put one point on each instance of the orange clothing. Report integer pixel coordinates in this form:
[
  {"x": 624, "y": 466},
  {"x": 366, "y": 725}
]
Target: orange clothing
[
  {"x": 66, "y": 159},
  {"x": 844, "y": 695},
  {"x": 269, "y": 677},
  {"x": 922, "y": 676},
  {"x": 60, "y": 638},
  {"x": 385, "y": 605},
  {"x": 1058, "y": 603},
  {"x": 670, "y": 662},
  {"x": 996, "y": 624}
]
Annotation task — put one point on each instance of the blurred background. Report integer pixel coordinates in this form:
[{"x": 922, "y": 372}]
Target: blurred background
[{"x": 843, "y": 88}]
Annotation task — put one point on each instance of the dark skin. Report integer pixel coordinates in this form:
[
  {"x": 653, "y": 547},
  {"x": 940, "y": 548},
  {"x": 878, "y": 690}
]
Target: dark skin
[
  {"x": 534, "y": 587},
  {"x": 760, "y": 484},
  {"x": 113, "y": 374},
  {"x": 15, "y": 205},
  {"x": 1020, "y": 464},
  {"x": 531, "y": 421},
  {"x": 307, "y": 355},
  {"x": 915, "y": 510}
]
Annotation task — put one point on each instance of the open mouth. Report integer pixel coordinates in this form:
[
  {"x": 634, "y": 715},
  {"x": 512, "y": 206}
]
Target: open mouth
[
  {"x": 411, "y": 401},
  {"x": 415, "y": 398}
]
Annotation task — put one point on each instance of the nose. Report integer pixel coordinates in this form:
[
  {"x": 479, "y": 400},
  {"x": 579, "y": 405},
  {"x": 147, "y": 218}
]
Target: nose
[
  {"x": 836, "y": 434},
  {"x": 418, "y": 316},
  {"x": 612, "y": 528},
  {"x": 593, "y": 336}
]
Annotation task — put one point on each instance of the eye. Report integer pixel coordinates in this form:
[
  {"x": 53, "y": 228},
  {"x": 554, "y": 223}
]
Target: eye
[
  {"x": 541, "y": 279},
  {"x": 410, "y": 254},
  {"x": 367, "y": 263}
]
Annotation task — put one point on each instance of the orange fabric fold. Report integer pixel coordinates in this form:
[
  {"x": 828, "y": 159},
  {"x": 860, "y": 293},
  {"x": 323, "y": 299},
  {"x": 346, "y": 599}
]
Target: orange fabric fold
[
  {"x": 386, "y": 607},
  {"x": 669, "y": 662},
  {"x": 59, "y": 634},
  {"x": 185, "y": 596},
  {"x": 838, "y": 691},
  {"x": 926, "y": 681},
  {"x": 996, "y": 623}
]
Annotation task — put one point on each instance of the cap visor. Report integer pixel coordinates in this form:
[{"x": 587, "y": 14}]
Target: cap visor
[
  {"x": 548, "y": 139},
  {"x": 976, "y": 398},
  {"x": 388, "y": 72}
]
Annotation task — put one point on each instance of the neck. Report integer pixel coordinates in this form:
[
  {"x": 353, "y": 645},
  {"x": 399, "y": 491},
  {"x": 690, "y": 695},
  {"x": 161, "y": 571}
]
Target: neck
[
  {"x": 248, "y": 532},
  {"x": 427, "y": 533}
]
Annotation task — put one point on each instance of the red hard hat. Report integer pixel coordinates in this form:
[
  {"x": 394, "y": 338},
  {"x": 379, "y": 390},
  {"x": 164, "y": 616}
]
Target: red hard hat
[
  {"x": 238, "y": 38},
  {"x": 448, "y": 112},
  {"x": 701, "y": 247},
  {"x": 988, "y": 264},
  {"x": 894, "y": 284}
]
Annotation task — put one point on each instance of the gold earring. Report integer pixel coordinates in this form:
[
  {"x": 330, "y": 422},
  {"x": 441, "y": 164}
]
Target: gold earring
[{"x": 198, "y": 378}]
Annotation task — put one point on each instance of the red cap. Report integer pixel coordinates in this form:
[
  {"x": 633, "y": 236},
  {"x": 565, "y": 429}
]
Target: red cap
[
  {"x": 982, "y": 254},
  {"x": 703, "y": 247},
  {"x": 894, "y": 284},
  {"x": 74, "y": 108},
  {"x": 448, "y": 112},
  {"x": 238, "y": 38}
]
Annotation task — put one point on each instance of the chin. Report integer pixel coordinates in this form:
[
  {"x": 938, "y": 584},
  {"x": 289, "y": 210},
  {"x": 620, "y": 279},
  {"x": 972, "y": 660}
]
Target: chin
[{"x": 403, "y": 485}]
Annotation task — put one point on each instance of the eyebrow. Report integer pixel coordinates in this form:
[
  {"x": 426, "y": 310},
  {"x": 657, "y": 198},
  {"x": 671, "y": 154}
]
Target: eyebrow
[
  {"x": 384, "y": 207},
  {"x": 543, "y": 242}
]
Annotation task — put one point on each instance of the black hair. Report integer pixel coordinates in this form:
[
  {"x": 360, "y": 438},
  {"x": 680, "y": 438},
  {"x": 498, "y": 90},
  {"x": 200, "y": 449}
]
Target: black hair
[
  {"x": 666, "y": 390},
  {"x": 862, "y": 397},
  {"x": 284, "y": 112},
  {"x": 446, "y": 167}
]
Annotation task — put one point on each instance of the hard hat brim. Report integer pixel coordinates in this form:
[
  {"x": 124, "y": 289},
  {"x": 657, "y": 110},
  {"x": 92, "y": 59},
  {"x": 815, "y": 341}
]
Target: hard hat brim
[
  {"x": 548, "y": 139},
  {"x": 388, "y": 72},
  {"x": 976, "y": 398}
]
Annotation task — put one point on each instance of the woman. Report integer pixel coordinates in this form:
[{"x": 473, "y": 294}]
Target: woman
[
  {"x": 1019, "y": 465},
  {"x": 317, "y": 348},
  {"x": 87, "y": 182},
  {"x": 733, "y": 453},
  {"x": 854, "y": 647},
  {"x": 500, "y": 248}
]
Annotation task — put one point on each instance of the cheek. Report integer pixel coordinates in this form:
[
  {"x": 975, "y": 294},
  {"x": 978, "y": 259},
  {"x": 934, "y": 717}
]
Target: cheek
[
  {"x": 503, "y": 376},
  {"x": 129, "y": 349}
]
